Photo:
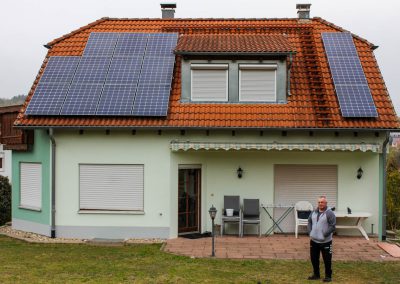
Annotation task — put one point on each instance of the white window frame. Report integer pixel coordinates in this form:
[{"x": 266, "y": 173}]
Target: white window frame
[
  {"x": 273, "y": 67},
  {"x": 200, "y": 66},
  {"x": 30, "y": 206},
  {"x": 110, "y": 211}
]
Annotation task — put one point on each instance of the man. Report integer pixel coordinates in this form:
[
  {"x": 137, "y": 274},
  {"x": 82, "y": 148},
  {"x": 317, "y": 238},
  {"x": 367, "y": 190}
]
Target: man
[{"x": 321, "y": 225}]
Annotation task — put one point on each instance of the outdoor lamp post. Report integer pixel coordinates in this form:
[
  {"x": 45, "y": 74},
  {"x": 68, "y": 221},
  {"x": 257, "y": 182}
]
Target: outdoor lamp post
[{"x": 213, "y": 213}]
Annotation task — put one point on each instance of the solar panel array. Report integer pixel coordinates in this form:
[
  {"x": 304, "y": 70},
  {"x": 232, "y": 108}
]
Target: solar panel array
[
  {"x": 351, "y": 85},
  {"x": 119, "y": 74}
]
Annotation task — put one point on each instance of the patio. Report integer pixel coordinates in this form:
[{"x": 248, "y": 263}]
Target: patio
[{"x": 277, "y": 247}]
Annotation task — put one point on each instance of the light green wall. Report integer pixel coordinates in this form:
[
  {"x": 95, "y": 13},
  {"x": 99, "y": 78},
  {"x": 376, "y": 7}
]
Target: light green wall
[
  {"x": 218, "y": 172},
  {"x": 39, "y": 154}
]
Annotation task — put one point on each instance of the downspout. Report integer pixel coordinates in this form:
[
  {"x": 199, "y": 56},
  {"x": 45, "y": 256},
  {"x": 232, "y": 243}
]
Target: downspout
[
  {"x": 53, "y": 183},
  {"x": 384, "y": 213}
]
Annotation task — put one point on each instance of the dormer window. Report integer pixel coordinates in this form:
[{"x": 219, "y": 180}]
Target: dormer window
[
  {"x": 229, "y": 68},
  {"x": 209, "y": 82},
  {"x": 257, "y": 82}
]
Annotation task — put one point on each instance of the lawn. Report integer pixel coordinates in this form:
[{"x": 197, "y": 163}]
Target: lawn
[{"x": 22, "y": 262}]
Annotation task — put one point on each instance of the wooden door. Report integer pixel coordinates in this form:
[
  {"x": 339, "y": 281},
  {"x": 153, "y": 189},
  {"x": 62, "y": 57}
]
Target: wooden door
[{"x": 189, "y": 200}]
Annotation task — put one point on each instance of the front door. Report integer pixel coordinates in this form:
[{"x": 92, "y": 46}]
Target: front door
[{"x": 189, "y": 200}]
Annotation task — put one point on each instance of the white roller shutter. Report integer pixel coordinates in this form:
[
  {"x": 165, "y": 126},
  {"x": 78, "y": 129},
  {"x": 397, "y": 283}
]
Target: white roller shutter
[
  {"x": 257, "y": 85},
  {"x": 31, "y": 185},
  {"x": 111, "y": 187},
  {"x": 209, "y": 84},
  {"x": 303, "y": 182}
]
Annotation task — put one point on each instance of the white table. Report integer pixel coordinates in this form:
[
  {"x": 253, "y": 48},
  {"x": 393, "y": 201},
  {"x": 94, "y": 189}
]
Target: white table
[{"x": 358, "y": 217}]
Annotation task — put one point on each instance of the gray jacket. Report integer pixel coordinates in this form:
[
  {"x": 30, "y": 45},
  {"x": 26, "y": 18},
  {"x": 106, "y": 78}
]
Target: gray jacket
[{"x": 321, "y": 225}]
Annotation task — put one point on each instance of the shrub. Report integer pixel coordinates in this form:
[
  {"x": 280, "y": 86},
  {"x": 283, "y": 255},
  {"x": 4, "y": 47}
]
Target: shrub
[
  {"x": 5, "y": 200},
  {"x": 393, "y": 190}
]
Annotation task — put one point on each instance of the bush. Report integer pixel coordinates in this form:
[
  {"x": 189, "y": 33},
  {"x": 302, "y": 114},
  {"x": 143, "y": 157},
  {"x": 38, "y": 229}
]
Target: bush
[
  {"x": 393, "y": 190},
  {"x": 5, "y": 200}
]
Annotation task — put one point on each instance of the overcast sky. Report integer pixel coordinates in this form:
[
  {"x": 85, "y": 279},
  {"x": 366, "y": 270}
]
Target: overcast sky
[{"x": 28, "y": 24}]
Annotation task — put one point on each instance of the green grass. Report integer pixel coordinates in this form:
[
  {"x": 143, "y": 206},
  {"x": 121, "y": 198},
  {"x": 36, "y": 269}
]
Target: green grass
[{"x": 22, "y": 262}]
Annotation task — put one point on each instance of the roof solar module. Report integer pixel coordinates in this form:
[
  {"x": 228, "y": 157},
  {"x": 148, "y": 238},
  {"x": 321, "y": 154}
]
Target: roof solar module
[
  {"x": 82, "y": 99},
  {"x": 151, "y": 100},
  {"x": 60, "y": 69},
  {"x": 47, "y": 99},
  {"x": 131, "y": 44},
  {"x": 161, "y": 44},
  {"x": 101, "y": 44},
  {"x": 116, "y": 100},
  {"x": 157, "y": 70},
  {"x": 124, "y": 70},
  {"x": 351, "y": 85},
  {"x": 92, "y": 70}
]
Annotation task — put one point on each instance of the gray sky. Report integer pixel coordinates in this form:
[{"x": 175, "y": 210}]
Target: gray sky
[{"x": 28, "y": 24}]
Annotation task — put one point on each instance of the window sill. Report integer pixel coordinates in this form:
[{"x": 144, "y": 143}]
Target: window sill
[
  {"x": 37, "y": 209},
  {"x": 111, "y": 212}
]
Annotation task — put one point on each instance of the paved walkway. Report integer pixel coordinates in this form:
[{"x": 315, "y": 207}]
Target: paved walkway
[{"x": 276, "y": 247}]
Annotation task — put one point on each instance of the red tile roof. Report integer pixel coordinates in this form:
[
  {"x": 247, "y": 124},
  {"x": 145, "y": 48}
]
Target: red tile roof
[
  {"x": 228, "y": 43},
  {"x": 312, "y": 103}
]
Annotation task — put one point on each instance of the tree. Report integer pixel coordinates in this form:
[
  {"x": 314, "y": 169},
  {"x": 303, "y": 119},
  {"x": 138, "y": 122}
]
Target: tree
[
  {"x": 5, "y": 200},
  {"x": 393, "y": 190}
]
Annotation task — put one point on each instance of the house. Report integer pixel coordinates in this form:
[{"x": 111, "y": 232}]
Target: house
[
  {"x": 8, "y": 136},
  {"x": 143, "y": 146}
]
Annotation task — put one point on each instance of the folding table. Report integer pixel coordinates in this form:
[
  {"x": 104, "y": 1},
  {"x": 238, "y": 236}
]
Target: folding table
[{"x": 276, "y": 220}]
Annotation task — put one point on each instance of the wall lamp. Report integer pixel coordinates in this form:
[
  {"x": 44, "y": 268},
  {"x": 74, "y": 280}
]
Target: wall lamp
[
  {"x": 360, "y": 173},
  {"x": 239, "y": 172}
]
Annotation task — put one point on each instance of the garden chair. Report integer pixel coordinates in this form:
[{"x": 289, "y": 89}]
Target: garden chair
[
  {"x": 231, "y": 202},
  {"x": 251, "y": 214},
  {"x": 302, "y": 211}
]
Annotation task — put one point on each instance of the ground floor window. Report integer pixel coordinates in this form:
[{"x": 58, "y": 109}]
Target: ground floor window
[
  {"x": 31, "y": 186},
  {"x": 111, "y": 187}
]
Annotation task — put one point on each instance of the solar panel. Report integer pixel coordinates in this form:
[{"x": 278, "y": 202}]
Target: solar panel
[
  {"x": 152, "y": 100},
  {"x": 116, "y": 100},
  {"x": 131, "y": 44},
  {"x": 60, "y": 69},
  {"x": 101, "y": 44},
  {"x": 92, "y": 70},
  {"x": 351, "y": 86},
  {"x": 161, "y": 44},
  {"x": 82, "y": 99},
  {"x": 124, "y": 70},
  {"x": 47, "y": 99},
  {"x": 105, "y": 80}
]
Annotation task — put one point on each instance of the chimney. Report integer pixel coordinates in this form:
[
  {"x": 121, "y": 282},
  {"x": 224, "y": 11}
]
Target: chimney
[
  {"x": 303, "y": 11},
  {"x": 168, "y": 10}
]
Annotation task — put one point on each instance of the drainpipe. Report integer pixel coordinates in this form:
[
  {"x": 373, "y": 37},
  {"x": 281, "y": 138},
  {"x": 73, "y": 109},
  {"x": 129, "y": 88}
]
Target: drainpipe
[
  {"x": 384, "y": 213},
  {"x": 53, "y": 183}
]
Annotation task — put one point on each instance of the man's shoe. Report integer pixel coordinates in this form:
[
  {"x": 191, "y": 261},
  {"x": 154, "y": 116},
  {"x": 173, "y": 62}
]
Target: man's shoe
[
  {"x": 314, "y": 277},
  {"x": 327, "y": 279}
]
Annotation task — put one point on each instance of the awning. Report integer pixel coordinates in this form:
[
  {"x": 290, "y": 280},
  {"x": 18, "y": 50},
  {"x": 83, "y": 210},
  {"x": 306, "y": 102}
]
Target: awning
[{"x": 350, "y": 147}]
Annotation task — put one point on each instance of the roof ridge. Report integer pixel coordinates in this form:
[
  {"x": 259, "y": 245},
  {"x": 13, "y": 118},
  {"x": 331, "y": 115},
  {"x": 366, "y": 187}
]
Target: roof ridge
[{"x": 330, "y": 24}]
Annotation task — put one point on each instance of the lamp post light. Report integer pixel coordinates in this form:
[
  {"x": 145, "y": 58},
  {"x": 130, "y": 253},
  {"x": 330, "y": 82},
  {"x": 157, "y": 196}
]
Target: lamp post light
[{"x": 213, "y": 213}]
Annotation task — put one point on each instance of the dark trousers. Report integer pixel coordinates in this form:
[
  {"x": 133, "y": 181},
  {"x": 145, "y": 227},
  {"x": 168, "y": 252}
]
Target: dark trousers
[{"x": 326, "y": 250}]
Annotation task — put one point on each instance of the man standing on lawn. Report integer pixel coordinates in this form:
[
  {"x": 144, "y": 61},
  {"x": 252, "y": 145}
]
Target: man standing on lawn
[{"x": 321, "y": 225}]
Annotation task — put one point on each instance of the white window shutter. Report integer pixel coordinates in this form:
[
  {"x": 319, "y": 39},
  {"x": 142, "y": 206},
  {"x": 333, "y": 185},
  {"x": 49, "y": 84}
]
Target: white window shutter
[
  {"x": 257, "y": 85},
  {"x": 31, "y": 185},
  {"x": 209, "y": 85},
  {"x": 111, "y": 187},
  {"x": 295, "y": 183}
]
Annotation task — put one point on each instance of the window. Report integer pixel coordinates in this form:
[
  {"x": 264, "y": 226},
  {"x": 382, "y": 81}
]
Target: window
[
  {"x": 1, "y": 161},
  {"x": 209, "y": 82},
  {"x": 31, "y": 186},
  {"x": 257, "y": 83},
  {"x": 111, "y": 187}
]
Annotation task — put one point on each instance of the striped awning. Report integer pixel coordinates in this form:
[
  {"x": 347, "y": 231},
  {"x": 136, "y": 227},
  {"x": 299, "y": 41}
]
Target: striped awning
[{"x": 188, "y": 145}]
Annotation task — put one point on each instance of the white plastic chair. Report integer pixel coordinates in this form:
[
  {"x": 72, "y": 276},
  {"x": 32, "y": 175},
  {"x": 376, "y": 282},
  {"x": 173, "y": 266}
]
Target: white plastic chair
[{"x": 301, "y": 206}]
